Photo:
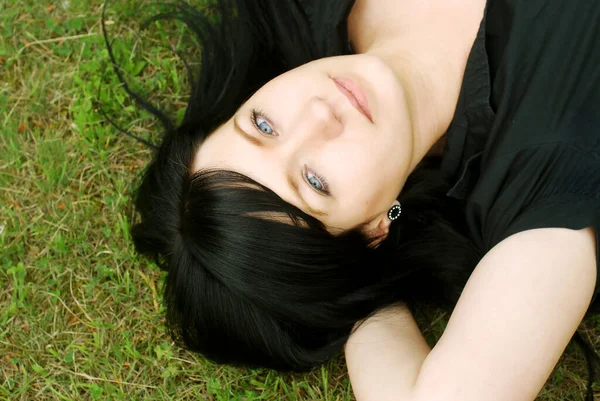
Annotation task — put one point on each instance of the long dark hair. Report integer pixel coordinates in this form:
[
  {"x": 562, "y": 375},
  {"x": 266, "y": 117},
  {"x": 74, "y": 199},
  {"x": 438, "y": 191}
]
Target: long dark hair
[{"x": 246, "y": 289}]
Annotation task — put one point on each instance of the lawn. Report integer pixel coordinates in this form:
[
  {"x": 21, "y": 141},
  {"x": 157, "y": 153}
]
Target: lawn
[{"x": 80, "y": 313}]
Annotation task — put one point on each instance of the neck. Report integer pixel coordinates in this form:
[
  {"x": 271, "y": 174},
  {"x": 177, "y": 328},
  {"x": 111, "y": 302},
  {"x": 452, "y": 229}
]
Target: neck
[{"x": 427, "y": 44}]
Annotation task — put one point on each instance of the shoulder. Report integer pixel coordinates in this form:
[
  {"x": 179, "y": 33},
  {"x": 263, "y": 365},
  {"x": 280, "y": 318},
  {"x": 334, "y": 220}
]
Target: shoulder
[
  {"x": 547, "y": 270},
  {"x": 545, "y": 244},
  {"x": 548, "y": 258},
  {"x": 544, "y": 186}
]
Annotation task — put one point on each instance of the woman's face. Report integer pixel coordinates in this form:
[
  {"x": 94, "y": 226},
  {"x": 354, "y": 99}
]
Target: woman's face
[{"x": 319, "y": 146}]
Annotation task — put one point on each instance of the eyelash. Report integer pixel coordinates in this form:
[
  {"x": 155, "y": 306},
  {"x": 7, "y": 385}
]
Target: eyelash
[
  {"x": 325, "y": 190},
  {"x": 257, "y": 113}
]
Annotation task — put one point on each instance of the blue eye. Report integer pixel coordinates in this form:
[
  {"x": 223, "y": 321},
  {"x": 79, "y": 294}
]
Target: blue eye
[
  {"x": 264, "y": 126},
  {"x": 317, "y": 182},
  {"x": 261, "y": 123},
  {"x": 314, "y": 181}
]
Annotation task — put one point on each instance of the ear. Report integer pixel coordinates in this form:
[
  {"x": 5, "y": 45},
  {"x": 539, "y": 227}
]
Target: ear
[{"x": 379, "y": 228}]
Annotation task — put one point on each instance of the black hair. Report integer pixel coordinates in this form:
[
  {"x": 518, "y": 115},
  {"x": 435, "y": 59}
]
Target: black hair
[{"x": 246, "y": 289}]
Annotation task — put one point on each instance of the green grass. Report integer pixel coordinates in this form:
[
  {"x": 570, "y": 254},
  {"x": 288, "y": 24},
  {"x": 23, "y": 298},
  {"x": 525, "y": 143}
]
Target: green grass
[{"x": 80, "y": 312}]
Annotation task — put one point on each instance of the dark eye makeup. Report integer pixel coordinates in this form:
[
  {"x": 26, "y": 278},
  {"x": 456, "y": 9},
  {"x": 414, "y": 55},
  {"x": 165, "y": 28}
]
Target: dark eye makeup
[
  {"x": 262, "y": 122},
  {"x": 316, "y": 181}
]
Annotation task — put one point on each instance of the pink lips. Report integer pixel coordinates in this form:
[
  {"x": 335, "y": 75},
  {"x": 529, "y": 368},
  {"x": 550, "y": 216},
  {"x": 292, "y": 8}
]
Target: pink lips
[{"x": 355, "y": 95}]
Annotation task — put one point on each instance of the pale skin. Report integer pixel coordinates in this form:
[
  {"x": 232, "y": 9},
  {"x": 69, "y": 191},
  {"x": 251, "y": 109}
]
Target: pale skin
[
  {"x": 519, "y": 309},
  {"x": 526, "y": 297}
]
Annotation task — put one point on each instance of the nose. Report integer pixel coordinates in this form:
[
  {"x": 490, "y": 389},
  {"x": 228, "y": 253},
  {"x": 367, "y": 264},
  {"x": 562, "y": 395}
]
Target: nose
[
  {"x": 319, "y": 121},
  {"x": 316, "y": 124}
]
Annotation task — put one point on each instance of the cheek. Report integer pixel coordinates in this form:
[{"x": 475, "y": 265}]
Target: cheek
[
  {"x": 360, "y": 179},
  {"x": 357, "y": 166},
  {"x": 288, "y": 88},
  {"x": 371, "y": 181}
]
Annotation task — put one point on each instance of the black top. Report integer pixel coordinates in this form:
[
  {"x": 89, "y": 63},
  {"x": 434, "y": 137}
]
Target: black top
[{"x": 523, "y": 149}]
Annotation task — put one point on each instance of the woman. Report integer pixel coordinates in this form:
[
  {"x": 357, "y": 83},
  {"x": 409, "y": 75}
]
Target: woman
[{"x": 450, "y": 156}]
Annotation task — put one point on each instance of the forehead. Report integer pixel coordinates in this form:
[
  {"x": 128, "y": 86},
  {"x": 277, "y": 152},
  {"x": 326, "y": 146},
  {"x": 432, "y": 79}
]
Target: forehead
[
  {"x": 218, "y": 147},
  {"x": 228, "y": 149}
]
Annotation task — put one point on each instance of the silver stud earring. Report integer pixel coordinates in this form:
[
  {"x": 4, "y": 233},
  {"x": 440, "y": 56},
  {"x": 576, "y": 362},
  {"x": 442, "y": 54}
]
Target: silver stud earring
[{"x": 395, "y": 212}]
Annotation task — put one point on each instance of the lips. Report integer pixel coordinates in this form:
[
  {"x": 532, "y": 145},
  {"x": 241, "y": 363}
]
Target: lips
[{"x": 355, "y": 95}]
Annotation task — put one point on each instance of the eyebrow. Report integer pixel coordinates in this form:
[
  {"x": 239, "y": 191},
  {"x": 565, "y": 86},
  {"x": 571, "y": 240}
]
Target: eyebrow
[
  {"x": 291, "y": 180},
  {"x": 246, "y": 135}
]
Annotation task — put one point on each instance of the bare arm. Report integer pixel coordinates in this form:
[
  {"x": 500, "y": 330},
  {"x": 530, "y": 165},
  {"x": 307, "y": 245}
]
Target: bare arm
[
  {"x": 385, "y": 355},
  {"x": 514, "y": 319}
]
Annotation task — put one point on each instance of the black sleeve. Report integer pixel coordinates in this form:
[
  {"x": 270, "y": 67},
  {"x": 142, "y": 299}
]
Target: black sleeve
[
  {"x": 573, "y": 211},
  {"x": 555, "y": 185},
  {"x": 540, "y": 166}
]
